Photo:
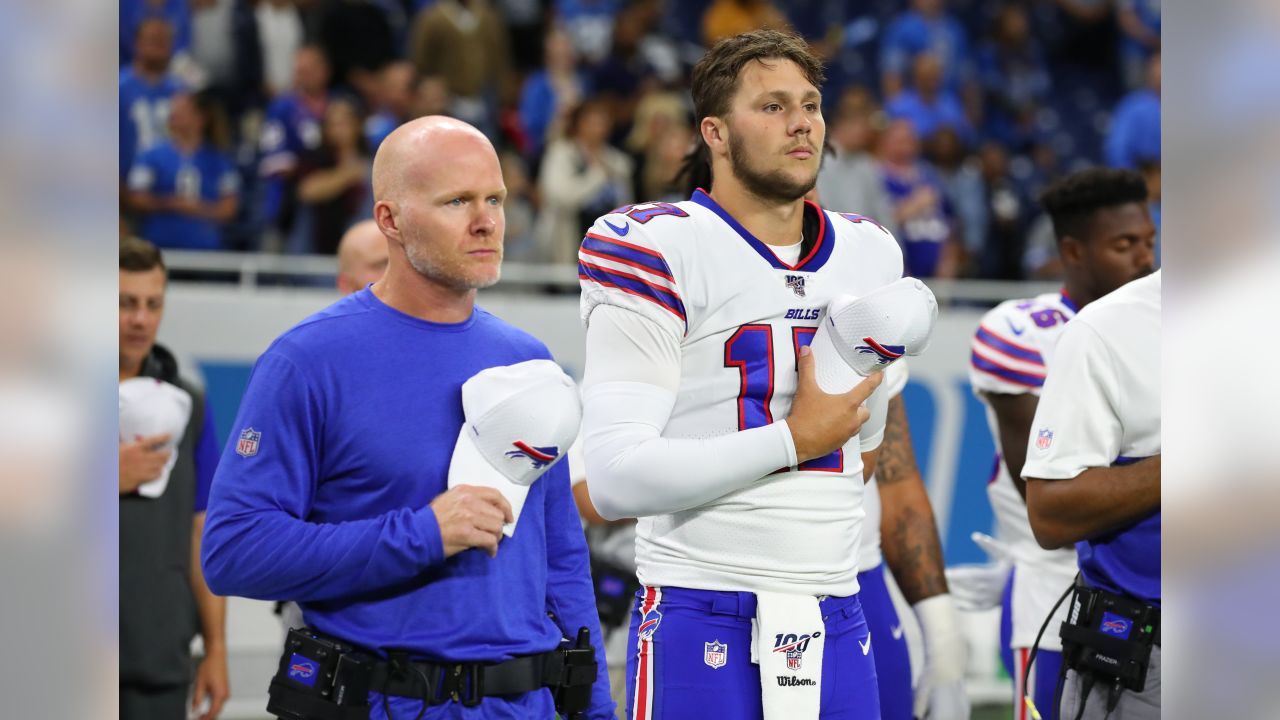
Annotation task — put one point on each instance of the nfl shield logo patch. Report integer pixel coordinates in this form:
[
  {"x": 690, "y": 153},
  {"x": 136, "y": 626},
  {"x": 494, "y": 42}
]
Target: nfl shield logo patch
[
  {"x": 715, "y": 654},
  {"x": 793, "y": 659},
  {"x": 247, "y": 445},
  {"x": 1044, "y": 439}
]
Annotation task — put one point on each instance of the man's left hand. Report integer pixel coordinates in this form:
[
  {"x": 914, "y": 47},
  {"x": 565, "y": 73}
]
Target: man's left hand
[
  {"x": 212, "y": 683},
  {"x": 941, "y": 694}
]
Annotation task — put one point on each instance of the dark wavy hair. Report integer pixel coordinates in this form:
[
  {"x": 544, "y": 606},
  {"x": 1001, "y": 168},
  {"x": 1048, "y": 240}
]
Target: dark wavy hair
[
  {"x": 717, "y": 77},
  {"x": 1071, "y": 201}
]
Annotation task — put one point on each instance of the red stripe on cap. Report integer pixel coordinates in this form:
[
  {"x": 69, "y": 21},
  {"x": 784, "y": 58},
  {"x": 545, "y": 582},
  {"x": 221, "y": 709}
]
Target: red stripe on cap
[
  {"x": 535, "y": 454},
  {"x": 880, "y": 348}
]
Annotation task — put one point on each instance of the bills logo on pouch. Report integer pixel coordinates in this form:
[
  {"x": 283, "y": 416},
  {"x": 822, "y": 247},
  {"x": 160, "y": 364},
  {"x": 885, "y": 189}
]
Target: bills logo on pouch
[
  {"x": 247, "y": 445},
  {"x": 794, "y": 647},
  {"x": 715, "y": 654},
  {"x": 302, "y": 670}
]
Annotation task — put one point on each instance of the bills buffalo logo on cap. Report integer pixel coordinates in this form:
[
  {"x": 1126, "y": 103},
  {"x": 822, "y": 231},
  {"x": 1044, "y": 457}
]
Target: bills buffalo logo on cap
[
  {"x": 794, "y": 647},
  {"x": 247, "y": 444},
  {"x": 887, "y": 353},
  {"x": 715, "y": 654},
  {"x": 540, "y": 456},
  {"x": 1044, "y": 439}
]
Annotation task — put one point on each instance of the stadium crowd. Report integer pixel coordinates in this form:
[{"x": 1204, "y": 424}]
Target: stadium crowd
[{"x": 250, "y": 125}]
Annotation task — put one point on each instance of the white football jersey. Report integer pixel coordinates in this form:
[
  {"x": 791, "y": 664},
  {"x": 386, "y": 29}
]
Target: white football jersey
[
  {"x": 869, "y": 554},
  {"x": 1011, "y": 350},
  {"x": 741, "y": 315}
]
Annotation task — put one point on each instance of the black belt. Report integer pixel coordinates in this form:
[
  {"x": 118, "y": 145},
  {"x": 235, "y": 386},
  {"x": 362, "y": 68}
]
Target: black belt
[{"x": 468, "y": 683}]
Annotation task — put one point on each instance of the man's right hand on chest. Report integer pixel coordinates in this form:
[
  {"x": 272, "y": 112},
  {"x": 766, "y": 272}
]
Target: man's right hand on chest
[
  {"x": 820, "y": 422},
  {"x": 471, "y": 516},
  {"x": 142, "y": 461}
]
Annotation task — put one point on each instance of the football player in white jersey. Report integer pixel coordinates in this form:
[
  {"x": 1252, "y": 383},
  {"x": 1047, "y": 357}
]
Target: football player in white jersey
[
  {"x": 1106, "y": 238},
  {"x": 900, "y": 535},
  {"x": 703, "y": 419}
]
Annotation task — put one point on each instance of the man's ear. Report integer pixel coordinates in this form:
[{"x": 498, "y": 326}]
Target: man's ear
[
  {"x": 715, "y": 135},
  {"x": 384, "y": 214}
]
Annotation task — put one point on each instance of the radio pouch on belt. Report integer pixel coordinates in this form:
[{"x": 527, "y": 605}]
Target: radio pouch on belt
[
  {"x": 320, "y": 678},
  {"x": 1109, "y": 637}
]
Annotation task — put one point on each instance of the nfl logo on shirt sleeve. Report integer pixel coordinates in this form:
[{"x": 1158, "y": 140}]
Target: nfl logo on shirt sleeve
[
  {"x": 247, "y": 445},
  {"x": 1044, "y": 439}
]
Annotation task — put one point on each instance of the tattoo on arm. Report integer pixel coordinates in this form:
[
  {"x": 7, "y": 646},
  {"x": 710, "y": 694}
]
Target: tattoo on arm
[
  {"x": 897, "y": 461},
  {"x": 909, "y": 537}
]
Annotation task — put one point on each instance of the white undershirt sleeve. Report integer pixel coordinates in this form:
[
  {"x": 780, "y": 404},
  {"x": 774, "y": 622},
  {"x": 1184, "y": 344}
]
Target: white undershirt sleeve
[{"x": 629, "y": 389}]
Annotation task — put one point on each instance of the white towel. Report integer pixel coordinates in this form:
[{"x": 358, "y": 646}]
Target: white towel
[
  {"x": 150, "y": 407},
  {"x": 788, "y": 646}
]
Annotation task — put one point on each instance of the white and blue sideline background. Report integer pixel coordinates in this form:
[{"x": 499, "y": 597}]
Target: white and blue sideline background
[{"x": 218, "y": 331}]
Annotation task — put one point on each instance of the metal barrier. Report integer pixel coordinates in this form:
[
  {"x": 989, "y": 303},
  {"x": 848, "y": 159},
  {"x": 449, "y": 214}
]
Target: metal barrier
[{"x": 253, "y": 270}]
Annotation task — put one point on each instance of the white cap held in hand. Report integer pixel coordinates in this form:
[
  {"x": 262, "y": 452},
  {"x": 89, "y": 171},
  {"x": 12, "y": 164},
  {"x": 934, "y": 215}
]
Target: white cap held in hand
[
  {"x": 520, "y": 420},
  {"x": 859, "y": 336}
]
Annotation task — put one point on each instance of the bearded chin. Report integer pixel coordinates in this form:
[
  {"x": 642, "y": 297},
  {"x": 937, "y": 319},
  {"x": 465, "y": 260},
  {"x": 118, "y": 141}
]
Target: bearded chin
[{"x": 775, "y": 186}]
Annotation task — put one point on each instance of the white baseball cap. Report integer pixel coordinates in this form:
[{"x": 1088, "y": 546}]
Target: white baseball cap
[
  {"x": 150, "y": 406},
  {"x": 859, "y": 336},
  {"x": 519, "y": 421}
]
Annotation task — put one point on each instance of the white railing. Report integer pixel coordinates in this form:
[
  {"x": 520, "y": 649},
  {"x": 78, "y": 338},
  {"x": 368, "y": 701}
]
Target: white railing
[{"x": 249, "y": 270}]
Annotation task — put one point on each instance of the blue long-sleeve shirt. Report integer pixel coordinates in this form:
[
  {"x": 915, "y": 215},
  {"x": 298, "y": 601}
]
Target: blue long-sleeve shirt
[{"x": 342, "y": 441}]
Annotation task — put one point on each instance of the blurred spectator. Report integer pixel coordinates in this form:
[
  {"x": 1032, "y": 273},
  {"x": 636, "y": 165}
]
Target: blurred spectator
[
  {"x": 1013, "y": 75},
  {"x": 394, "y": 103},
  {"x": 851, "y": 181},
  {"x": 280, "y": 30},
  {"x": 925, "y": 28},
  {"x": 589, "y": 24},
  {"x": 164, "y": 489},
  {"x": 1010, "y": 213},
  {"x": 1139, "y": 22},
  {"x": 527, "y": 26},
  {"x": 550, "y": 92},
  {"x": 133, "y": 13},
  {"x": 582, "y": 177},
  {"x": 334, "y": 188},
  {"x": 465, "y": 42},
  {"x": 1151, "y": 173},
  {"x": 664, "y": 153},
  {"x": 963, "y": 187},
  {"x": 431, "y": 96},
  {"x": 725, "y": 18},
  {"x": 1041, "y": 261},
  {"x": 518, "y": 208},
  {"x": 637, "y": 64},
  {"x": 928, "y": 104},
  {"x": 1134, "y": 137},
  {"x": 358, "y": 39},
  {"x": 292, "y": 129},
  {"x": 213, "y": 39},
  {"x": 362, "y": 257},
  {"x": 920, "y": 207},
  {"x": 146, "y": 88},
  {"x": 186, "y": 188}
]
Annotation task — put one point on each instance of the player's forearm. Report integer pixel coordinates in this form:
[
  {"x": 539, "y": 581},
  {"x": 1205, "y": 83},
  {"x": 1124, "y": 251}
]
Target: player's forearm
[
  {"x": 910, "y": 541},
  {"x": 268, "y": 554},
  {"x": 1097, "y": 501},
  {"x": 211, "y": 608},
  {"x": 633, "y": 471}
]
